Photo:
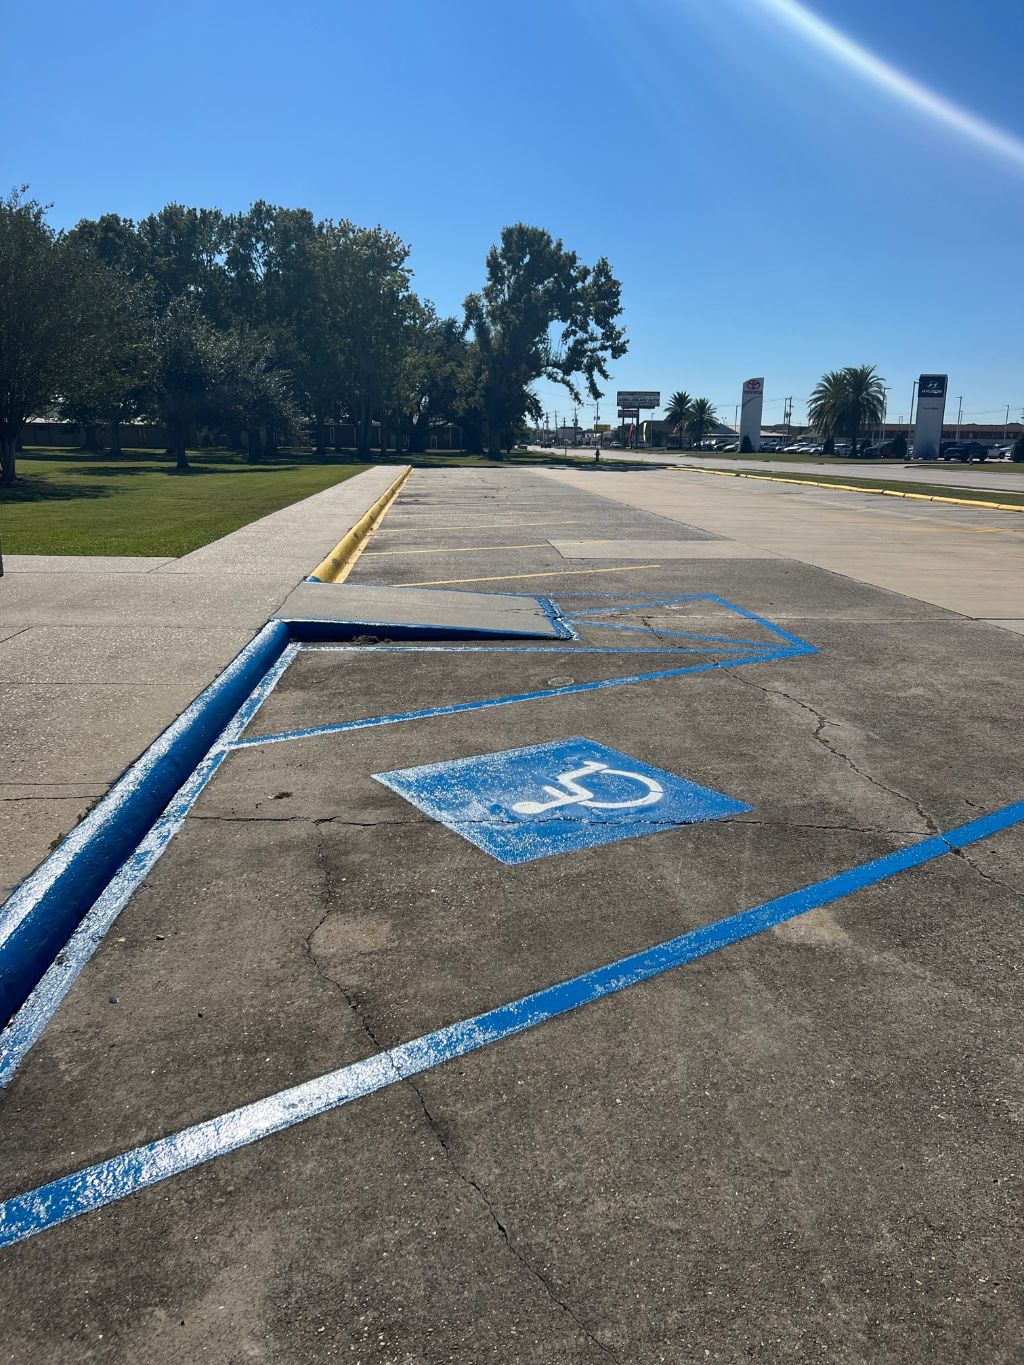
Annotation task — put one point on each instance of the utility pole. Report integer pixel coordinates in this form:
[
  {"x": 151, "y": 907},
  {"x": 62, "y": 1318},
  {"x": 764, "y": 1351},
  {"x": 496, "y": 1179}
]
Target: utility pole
[
  {"x": 787, "y": 417},
  {"x": 913, "y": 395},
  {"x": 959, "y": 415},
  {"x": 575, "y": 424},
  {"x": 1006, "y": 421}
]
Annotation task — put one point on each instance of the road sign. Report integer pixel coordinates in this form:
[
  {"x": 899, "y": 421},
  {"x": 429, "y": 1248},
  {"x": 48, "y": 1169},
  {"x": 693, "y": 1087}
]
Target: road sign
[
  {"x": 931, "y": 411},
  {"x": 638, "y": 398},
  {"x": 555, "y": 798}
]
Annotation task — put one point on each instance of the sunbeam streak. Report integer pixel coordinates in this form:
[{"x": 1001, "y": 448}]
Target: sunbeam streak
[{"x": 858, "y": 59}]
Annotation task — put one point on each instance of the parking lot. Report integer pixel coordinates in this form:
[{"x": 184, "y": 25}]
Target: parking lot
[{"x": 647, "y": 993}]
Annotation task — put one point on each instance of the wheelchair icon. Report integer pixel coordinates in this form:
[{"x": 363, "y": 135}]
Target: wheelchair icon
[{"x": 573, "y": 793}]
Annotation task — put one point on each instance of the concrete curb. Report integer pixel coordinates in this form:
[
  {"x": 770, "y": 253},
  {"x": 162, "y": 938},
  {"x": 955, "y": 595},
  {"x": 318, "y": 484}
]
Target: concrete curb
[
  {"x": 336, "y": 567},
  {"x": 41, "y": 914},
  {"x": 851, "y": 488}
]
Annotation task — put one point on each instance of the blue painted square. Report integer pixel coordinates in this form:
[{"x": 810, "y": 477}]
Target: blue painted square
[{"x": 553, "y": 798}]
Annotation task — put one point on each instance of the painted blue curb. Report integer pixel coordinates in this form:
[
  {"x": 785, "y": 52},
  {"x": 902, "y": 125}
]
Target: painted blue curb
[{"x": 39, "y": 917}]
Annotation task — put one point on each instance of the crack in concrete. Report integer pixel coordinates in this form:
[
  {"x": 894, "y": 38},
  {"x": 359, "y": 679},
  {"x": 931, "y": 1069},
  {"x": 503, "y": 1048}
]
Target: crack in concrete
[
  {"x": 930, "y": 824},
  {"x": 822, "y": 722},
  {"x": 494, "y": 822},
  {"x": 433, "y": 1124},
  {"x": 527, "y": 1265}
]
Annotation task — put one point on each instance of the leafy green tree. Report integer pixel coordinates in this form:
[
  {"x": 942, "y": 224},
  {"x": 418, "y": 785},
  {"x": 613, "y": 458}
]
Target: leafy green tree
[
  {"x": 50, "y": 298},
  {"x": 678, "y": 412},
  {"x": 541, "y": 313},
  {"x": 899, "y": 446},
  {"x": 183, "y": 251},
  {"x": 701, "y": 419},
  {"x": 190, "y": 366},
  {"x": 1017, "y": 453},
  {"x": 376, "y": 322},
  {"x": 844, "y": 402},
  {"x": 434, "y": 378}
]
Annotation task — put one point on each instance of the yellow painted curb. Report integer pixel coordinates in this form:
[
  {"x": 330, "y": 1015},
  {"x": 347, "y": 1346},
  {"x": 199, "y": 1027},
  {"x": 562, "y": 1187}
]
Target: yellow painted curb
[
  {"x": 339, "y": 563},
  {"x": 853, "y": 488}
]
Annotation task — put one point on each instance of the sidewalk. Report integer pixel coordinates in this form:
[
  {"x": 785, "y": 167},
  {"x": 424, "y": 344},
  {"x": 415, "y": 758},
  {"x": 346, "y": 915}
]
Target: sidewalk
[{"x": 98, "y": 655}]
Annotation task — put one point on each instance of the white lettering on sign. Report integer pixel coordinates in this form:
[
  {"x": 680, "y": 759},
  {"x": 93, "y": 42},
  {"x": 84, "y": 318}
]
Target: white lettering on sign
[{"x": 574, "y": 793}]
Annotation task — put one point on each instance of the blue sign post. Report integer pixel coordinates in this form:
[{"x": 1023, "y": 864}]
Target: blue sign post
[{"x": 555, "y": 798}]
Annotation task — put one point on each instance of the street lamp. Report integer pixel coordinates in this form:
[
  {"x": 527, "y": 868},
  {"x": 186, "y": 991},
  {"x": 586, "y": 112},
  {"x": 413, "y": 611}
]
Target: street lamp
[
  {"x": 959, "y": 415},
  {"x": 910, "y": 419}
]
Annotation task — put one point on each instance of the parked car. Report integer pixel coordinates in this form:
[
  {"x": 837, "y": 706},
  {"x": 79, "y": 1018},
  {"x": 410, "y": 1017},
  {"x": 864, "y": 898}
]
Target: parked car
[{"x": 963, "y": 451}]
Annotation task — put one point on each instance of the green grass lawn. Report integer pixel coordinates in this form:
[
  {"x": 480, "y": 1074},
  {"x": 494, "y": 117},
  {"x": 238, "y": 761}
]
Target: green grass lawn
[
  {"x": 943, "y": 490},
  {"x": 69, "y": 502}
]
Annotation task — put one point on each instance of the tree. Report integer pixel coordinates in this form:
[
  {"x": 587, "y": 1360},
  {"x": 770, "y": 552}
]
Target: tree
[
  {"x": 49, "y": 318},
  {"x": 541, "y": 314},
  {"x": 1017, "y": 453},
  {"x": 678, "y": 412},
  {"x": 434, "y": 378},
  {"x": 190, "y": 364},
  {"x": 378, "y": 311},
  {"x": 843, "y": 402},
  {"x": 701, "y": 419},
  {"x": 899, "y": 446}
]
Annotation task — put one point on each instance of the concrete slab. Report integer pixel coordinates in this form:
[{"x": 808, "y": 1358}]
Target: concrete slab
[
  {"x": 1016, "y": 626},
  {"x": 967, "y": 561},
  {"x": 75, "y": 629},
  {"x": 84, "y": 564},
  {"x": 119, "y": 654},
  {"x": 412, "y": 608},
  {"x": 658, "y": 549},
  {"x": 289, "y": 544}
]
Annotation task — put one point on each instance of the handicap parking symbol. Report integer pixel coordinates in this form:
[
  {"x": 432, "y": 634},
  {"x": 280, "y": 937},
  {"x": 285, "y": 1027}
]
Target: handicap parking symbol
[{"x": 554, "y": 798}]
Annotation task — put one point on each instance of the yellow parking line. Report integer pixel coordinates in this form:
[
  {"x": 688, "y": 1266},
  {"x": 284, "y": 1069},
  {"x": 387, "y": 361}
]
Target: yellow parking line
[
  {"x": 461, "y": 549},
  {"x": 476, "y": 526},
  {"x": 514, "y": 577}
]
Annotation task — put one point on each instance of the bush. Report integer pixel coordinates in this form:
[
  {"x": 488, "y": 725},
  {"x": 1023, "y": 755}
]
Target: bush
[
  {"x": 746, "y": 446},
  {"x": 899, "y": 446},
  {"x": 1017, "y": 453}
]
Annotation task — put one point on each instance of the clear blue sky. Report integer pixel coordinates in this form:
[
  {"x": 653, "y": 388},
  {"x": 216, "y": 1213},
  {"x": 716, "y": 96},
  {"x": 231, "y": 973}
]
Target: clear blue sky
[{"x": 768, "y": 210}]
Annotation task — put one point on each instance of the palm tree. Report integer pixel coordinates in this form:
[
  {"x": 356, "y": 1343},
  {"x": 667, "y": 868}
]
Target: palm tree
[
  {"x": 826, "y": 406},
  {"x": 701, "y": 419},
  {"x": 845, "y": 401},
  {"x": 865, "y": 400},
  {"x": 678, "y": 412}
]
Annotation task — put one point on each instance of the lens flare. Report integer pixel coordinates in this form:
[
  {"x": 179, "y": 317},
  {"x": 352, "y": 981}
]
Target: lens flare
[{"x": 850, "y": 54}]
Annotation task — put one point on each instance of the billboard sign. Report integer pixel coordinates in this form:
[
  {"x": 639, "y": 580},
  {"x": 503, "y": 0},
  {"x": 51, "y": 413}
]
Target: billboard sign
[
  {"x": 638, "y": 398},
  {"x": 750, "y": 412},
  {"x": 632, "y": 413},
  {"x": 931, "y": 409},
  {"x": 602, "y": 426}
]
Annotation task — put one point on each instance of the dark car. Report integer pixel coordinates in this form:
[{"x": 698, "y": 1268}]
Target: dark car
[{"x": 963, "y": 451}]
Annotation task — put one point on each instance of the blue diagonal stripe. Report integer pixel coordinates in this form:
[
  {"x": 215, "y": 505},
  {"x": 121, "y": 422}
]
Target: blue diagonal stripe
[{"x": 108, "y": 1181}]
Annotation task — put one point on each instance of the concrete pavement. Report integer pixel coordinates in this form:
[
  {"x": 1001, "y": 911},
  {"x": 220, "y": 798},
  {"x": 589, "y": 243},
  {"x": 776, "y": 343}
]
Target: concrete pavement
[
  {"x": 98, "y": 655},
  {"x": 994, "y": 476},
  {"x": 802, "y": 1146}
]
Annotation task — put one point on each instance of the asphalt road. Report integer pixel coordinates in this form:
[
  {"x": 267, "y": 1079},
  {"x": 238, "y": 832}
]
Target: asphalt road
[{"x": 793, "y": 1138}]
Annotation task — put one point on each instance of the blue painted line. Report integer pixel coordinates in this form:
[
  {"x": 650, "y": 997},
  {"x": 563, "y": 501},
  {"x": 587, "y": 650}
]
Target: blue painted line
[
  {"x": 34, "y": 1015},
  {"x": 313, "y": 648},
  {"x": 763, "y": 621},
  {"x": 561, "y": 626},
  {"x": 459, "y": 708},
  {"x": 25, "y": 1215},
  {"x": 40, "y": 915},
  {"x": 673, "y": 634}
]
